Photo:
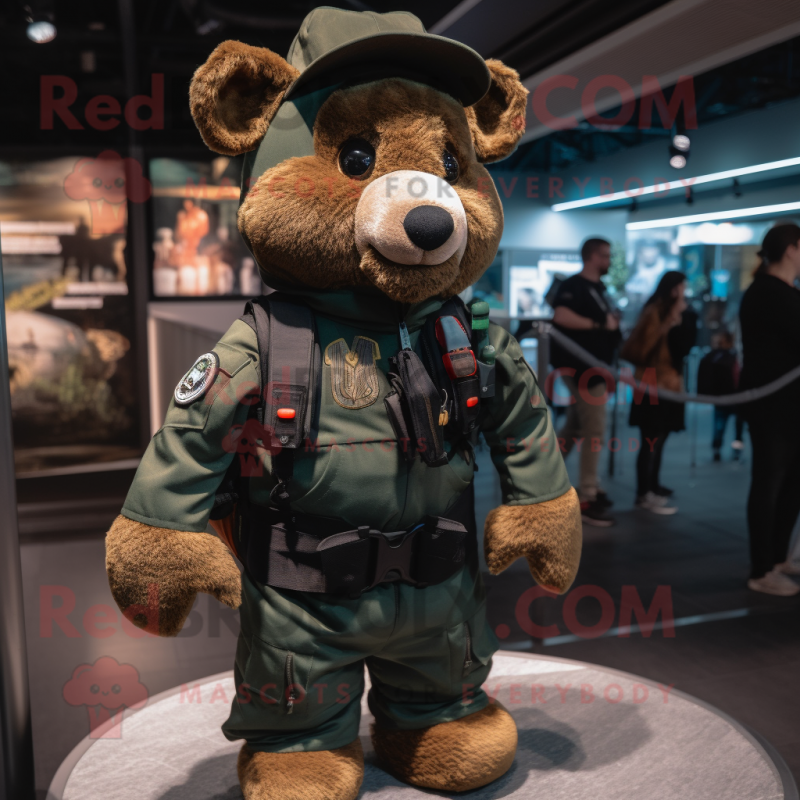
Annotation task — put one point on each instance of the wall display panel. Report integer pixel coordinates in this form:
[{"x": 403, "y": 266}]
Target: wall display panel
[
  {"x": 718, "y": 259},
  {"x": 198, "y": 251},
  {"x": 651, "y": 253},
  {"x": 532, "y": 275},
  {"x": 68, "y": 310}
]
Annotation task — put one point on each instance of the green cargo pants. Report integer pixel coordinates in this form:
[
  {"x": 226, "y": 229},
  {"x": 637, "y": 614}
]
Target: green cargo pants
[{"x": 300, "y": 661}]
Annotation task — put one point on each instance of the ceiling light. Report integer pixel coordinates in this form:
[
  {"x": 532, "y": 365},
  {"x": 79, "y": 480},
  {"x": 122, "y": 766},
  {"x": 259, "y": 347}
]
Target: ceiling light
[
  {"x": 41, "y": 31},
  {"x": 663, "y": 188},
  {"x": 756, "y": 211},
  {"x": 679, "y": 148},
  {"x": 681, "y": 142},
  {"x": 209, "y": 26}
]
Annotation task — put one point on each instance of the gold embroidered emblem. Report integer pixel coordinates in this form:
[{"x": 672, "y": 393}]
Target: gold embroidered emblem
[{"x": 354, "y": 374}]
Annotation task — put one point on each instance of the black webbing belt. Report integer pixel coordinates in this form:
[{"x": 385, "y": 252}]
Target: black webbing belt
[{"x": 316, "y": 554}]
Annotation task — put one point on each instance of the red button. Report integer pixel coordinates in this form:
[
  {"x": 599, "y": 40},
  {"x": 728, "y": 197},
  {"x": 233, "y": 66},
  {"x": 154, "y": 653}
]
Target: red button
[
  {"x": 289, "y": 413},
  {"x": 472, "y": 401}
]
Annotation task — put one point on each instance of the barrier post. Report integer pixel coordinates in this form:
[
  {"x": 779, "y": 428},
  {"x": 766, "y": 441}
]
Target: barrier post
[{"x": 15, "y": 706}]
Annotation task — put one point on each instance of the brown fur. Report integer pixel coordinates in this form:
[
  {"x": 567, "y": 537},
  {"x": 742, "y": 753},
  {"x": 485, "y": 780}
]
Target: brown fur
[
  {"x": 147, "y": 564},
  {"x": 309, "y": 775},
  {"x": 648, "y": 347},
  {"x": 498, "y": 119},
  {"x": 236, "y": 93},
  {"x": 300, "y": 216},
  {"x": 452, "y": 756},
  {"x": 548, "y": 534}
]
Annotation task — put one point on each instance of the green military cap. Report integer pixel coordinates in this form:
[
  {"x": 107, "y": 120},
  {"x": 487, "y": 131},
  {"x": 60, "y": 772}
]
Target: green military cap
[
  {"x": 334, "y": 47},
  {"x": 365, "y": 44}
]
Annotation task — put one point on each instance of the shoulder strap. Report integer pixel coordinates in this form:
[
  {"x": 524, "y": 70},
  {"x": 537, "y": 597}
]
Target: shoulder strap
[
  {"x": 258, "y": 319},
  {"x": 456, "y": 307},
  {"x": 289, "y": 355}
]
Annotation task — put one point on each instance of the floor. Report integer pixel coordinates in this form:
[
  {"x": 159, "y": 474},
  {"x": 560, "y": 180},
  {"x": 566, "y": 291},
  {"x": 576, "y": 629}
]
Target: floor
[
  {"x": 730, "y": 647},
  {"x": 638, "y": 741}
]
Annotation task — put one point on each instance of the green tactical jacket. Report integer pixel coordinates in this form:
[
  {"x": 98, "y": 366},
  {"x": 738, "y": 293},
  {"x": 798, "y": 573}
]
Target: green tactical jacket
[{"x": 354, "y": 470}]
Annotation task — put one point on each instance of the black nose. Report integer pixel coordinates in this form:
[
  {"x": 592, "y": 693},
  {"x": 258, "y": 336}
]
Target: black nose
[{"x": 428, "y": 227}]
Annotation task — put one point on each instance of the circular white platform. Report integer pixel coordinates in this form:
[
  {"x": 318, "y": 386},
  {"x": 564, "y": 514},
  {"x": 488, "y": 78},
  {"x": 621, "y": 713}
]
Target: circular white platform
[{"x": 598, "y": 734}]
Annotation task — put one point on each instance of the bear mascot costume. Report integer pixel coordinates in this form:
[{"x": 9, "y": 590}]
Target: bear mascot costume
[{"x": 327, "y": 440}]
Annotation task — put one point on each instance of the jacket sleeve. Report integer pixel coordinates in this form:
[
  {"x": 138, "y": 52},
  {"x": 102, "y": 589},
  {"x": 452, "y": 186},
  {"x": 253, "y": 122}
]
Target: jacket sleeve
[
  {"x": 519, "y": 431},
  {"x": 786, "y": 316},
  {"x": 186, "y": 460}
]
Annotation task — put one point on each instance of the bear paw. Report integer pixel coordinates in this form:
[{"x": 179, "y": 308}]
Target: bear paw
[
  {"x": 308, "y": 775},
  {"x": 452, "y": 756},
  {"x": 547, "y": 534},
  {"x": 156, "y": 573}
]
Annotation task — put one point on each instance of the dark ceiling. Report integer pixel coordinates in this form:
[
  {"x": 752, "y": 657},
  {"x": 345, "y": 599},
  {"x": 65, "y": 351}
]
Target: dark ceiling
[
  {"x": 763, "y": 79},
  {"x": 173, "y": 37},
  {"x": 113, "y": 48}
]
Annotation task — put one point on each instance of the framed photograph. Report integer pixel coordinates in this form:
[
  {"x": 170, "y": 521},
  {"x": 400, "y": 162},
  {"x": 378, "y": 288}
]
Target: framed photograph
[
  {"x": 198, "y": 251},
  {"x": 68, "y": 311}
]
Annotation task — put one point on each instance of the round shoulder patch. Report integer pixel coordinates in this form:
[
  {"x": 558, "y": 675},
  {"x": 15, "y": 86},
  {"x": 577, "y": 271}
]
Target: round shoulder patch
[{"x": 196, "y": 382}]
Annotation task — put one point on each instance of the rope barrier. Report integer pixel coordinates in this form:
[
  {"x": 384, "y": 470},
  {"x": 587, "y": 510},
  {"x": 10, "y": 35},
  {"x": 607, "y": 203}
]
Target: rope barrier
[{"x": 739, "y": 398}]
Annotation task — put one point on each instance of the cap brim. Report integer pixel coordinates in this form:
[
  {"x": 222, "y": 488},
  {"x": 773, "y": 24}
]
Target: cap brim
[{"x": 445, "y": 63}]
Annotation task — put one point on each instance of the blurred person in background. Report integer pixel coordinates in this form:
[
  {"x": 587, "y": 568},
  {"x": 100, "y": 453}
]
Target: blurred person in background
[
  {"x": 585, "y": 313},
  {"x": 718, "y": 374},
  {"x": 680, "y": 341},
  {"x": 648, "y": 349},
  {"x": 770, "y": 323}
]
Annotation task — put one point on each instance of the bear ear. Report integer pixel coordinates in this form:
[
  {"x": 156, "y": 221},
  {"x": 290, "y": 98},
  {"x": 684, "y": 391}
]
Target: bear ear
[
  {"x": 235, "y": 94},
  {"x": 497, "y": 120}
]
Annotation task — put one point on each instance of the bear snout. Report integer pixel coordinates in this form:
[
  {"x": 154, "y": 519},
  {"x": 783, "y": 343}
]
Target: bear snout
[
  {"x": 428, "y": 227},
  {"x": 410, "y": 218}
]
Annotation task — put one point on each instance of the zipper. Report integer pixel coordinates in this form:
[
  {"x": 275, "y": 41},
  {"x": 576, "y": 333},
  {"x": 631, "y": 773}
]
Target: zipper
[
  {"x": 405, "y": 339},
  {"x": 288, "y": 670},
  {"x": 468, "y": 649}
]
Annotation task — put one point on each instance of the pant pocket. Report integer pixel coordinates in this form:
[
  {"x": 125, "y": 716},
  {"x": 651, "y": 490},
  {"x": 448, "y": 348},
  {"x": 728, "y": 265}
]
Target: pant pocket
[
  {"x": 277, "y": 680},
  {"x": 472, "y": 645}
]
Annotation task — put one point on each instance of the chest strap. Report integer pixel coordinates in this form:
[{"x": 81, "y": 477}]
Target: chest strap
[{"x": 290, "y": 364}]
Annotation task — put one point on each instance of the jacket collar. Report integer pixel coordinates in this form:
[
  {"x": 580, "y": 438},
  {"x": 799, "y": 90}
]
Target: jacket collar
[{"x": 365, "y": 306}]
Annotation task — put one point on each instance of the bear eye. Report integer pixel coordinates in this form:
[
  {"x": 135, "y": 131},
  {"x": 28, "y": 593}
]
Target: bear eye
[
  {"x": 97, "y": 182},
  {"x": 119, "y": 183},
  {"x": 450, "y": 166},
  {"x": 94, "y": 688},
  {"x": 116, "y": 688},
  {"x": 356, "y": 157}
]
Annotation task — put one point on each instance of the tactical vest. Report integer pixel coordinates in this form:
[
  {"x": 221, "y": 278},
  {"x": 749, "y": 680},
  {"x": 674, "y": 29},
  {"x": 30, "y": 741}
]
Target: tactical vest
[{"x": 436, "y": 396}]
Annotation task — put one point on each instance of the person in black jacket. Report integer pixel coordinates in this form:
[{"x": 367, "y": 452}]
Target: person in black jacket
[
  {"x": 770, "y": 321},
  {"x": 584, "y": 312}
]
